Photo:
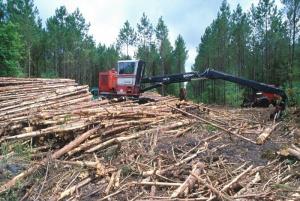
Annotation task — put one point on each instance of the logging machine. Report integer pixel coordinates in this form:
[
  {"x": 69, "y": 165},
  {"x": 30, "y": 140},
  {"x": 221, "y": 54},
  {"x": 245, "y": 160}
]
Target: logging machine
[{"x": 128, "y": 78}]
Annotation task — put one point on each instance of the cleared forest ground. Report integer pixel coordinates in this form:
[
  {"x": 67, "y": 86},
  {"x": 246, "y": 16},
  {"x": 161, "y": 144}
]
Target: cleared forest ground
[{"x": 59, "y": 144}]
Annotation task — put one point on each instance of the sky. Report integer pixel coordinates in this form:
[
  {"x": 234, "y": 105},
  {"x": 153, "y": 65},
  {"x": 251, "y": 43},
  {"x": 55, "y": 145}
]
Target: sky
[{"x": 106, "y": 17}]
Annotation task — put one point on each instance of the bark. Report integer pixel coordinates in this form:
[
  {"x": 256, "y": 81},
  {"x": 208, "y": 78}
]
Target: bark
[
  {"x": 266, "y": 133},
  {"x": 8, "y": 185},
  {"x": 189, "y": 182}
]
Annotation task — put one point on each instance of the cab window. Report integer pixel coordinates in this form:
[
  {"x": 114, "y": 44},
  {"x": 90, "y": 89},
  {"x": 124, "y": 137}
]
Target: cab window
[{"x": 126, "y": 67}]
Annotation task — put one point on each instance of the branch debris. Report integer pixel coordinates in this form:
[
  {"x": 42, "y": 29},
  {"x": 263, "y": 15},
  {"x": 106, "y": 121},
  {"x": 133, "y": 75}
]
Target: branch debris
[{"x": 53, "y": 133}]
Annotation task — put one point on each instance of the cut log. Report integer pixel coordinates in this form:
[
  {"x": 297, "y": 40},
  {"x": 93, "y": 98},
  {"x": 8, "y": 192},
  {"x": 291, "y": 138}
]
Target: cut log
[
  {"x": 183, "y": 161},
  {"x": 236, "y": 179},
  {"x": 266, "y": 133},
  {"x": 256, "y": 179},
  {"x": 110, "y": 183},
  {"x": 72, "y": 189},
  {"x": 218, "y": 193},
  {"x": 189, "y": 182},
  {"x": 6, "y": 186},
  {"x": 43, "y": 132},
  {"x": 148, "y": 183},
  {"x": 294, "y": 152}
]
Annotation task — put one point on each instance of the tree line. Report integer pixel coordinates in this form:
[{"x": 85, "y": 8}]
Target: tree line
[
  {"x": 262, "y": 44},
  {"x": 153, "y": 46},
  {"x": 63, "y": 47}
]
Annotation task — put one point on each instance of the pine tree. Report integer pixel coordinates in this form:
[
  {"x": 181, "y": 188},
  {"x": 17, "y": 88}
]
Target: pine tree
[
  {"x": 180, "y": 55},
  {"x": 127, "y": 36},
  {"x": 24, "y": 14},
  {"x": 145, "y": 31},
  {"x": 239, "y": 51},
  {"x": 269, "y": 37},
  {"x": 2, "y": 11},
  {"x": 165, "y": 52},
  {"x": 292, "y": 10},
  {"x": 144, "y": 42},
  {"x": 11, "y": 48}
]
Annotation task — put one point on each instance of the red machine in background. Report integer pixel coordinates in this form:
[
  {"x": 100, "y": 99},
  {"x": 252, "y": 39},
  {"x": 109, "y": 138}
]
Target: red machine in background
[
  {"x": 261, "y": 99},
  {"x": 124, "y": 81},
  {"x": 108, "y": 81}
]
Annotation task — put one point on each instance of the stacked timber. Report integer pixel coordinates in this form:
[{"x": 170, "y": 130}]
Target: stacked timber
[
  {"x": 76, "y": 148},
  {"x": 23, "y": 99}
]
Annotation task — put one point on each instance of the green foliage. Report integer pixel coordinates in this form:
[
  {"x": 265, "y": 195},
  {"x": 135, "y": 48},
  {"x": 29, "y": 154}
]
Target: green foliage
[
  {"x": 25, "y": 15},
  {"x": 49, "y": 73},
  {"x": 21, "y": 154},
  {"x": 166, "y": 57},
  {"x": 291, "y": 93},
  {"x": 10, "y": 195},
  {"x": 234, "y": 94},
  {"x": 64, "y": 48},
  {"x": 21, "y": 157},
  {"x": 68, "y": 50},
  {"x": 285, "y": 187},
  {"x": 160, "y": 57},
  {"x": 262, "y": 44},
  {"x": 22, "y": 150},
  {"x": 4, "y": 148},
  {"x": 161, "y": 30},
  {"x": 11, "y": 48},
  {"x": 294, "y": 94},
  {"x": 210, "y": 128},
  {"x": 126, "y": 170},
  {"x": 145, "y": 31},
  {"x": 127, "y": 36},
  {"x": 292, "y": 11},
  {"x": 2, "y": 10},
  {"x": 214, "y": 51},
  {"x": 255, "y": 45},
  {"x": 146, "y": 49},
  {"x": 180, "y": 55}
]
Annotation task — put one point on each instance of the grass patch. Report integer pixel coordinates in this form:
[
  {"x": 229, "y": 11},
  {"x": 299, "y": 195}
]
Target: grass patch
[{"x": 210, "y": 128}]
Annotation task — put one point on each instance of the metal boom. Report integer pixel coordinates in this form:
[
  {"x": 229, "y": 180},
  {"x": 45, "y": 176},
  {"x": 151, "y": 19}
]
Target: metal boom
[{"x": 211, "y": 74}]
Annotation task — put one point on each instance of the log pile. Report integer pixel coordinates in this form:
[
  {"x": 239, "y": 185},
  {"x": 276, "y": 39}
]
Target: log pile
[
  {"x": 59, "y": 144},
  {"x": 21, "y": 99}
]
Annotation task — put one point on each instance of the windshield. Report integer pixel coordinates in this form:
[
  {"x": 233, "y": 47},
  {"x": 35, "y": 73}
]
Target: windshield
[{"x": 126, "y": 67}]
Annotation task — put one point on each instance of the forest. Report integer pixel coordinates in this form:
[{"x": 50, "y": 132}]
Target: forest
[{"x": 262, "y": 44}]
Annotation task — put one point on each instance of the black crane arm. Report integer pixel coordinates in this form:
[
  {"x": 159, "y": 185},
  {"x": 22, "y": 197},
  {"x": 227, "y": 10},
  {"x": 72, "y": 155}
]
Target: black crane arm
[
  {"x": 212, "y": 74},
  {"x": 169, "y": 79},
  {"x": 174, "y": 78}
]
